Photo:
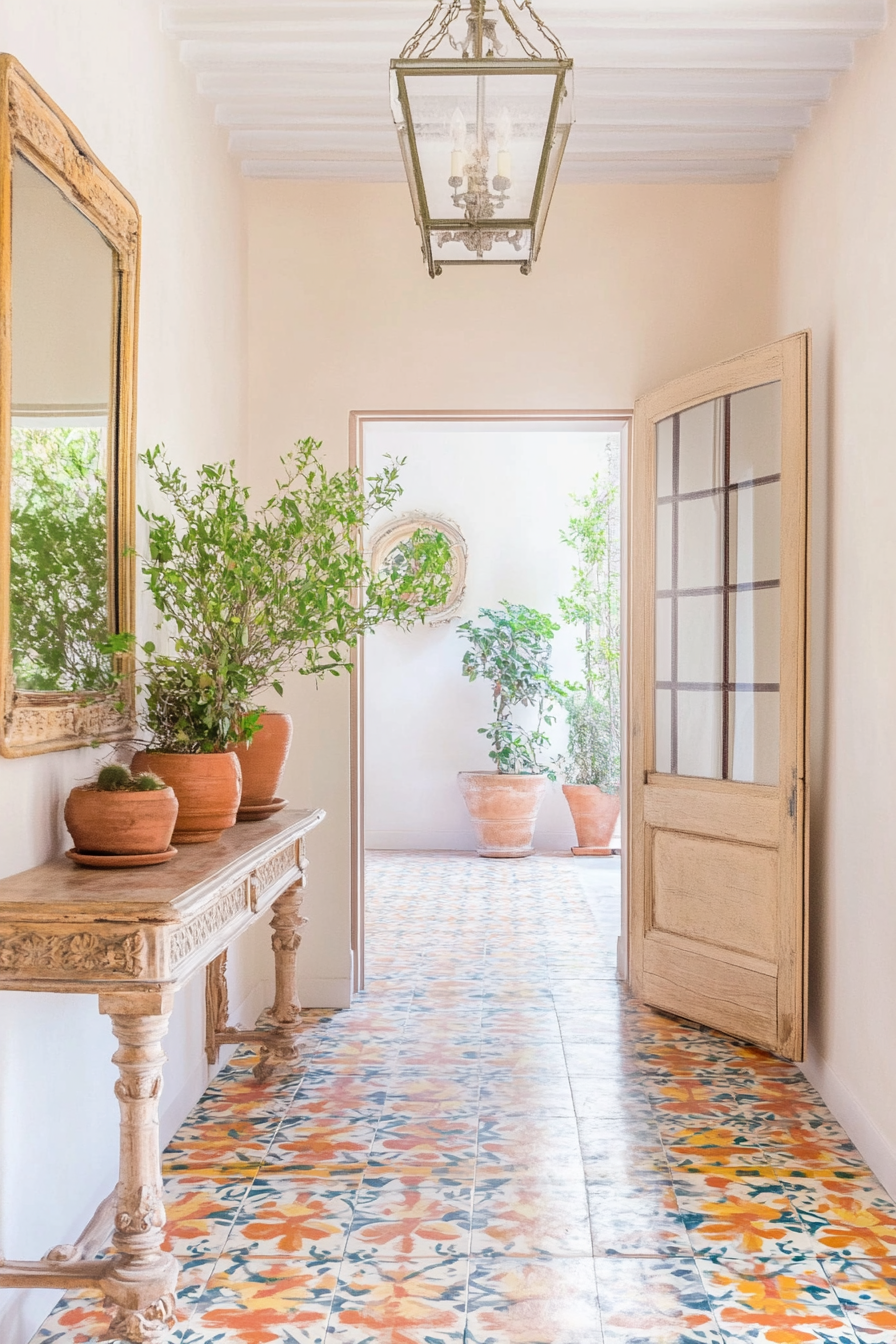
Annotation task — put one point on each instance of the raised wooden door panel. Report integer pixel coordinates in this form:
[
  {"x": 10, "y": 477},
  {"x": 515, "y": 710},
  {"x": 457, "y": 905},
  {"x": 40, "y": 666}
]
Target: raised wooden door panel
[{"x": 718, "y": 696}]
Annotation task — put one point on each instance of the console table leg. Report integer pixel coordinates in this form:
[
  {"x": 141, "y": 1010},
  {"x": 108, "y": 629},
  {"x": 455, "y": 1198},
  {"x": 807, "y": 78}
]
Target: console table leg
[
  {"x": 280, "y": 1047},
  {"x": 141, "y": 1286}
]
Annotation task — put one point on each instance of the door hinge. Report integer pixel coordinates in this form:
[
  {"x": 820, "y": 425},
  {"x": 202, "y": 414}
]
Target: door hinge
[{"x": 791, "y": 802}]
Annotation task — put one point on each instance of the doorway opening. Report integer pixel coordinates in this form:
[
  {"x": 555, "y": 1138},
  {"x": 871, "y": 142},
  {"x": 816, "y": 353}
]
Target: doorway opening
[{"x": 503, "y": 489}]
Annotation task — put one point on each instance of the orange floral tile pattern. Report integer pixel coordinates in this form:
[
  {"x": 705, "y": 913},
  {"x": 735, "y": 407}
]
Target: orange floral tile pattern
[{"x": 497, "y": 1145}]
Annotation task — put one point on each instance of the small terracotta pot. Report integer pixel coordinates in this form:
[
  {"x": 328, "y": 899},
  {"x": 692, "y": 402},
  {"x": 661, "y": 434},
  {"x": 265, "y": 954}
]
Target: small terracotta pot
[
  {"x": 207, "y": 786},
  {"x": 503, "y": 810},
  {"x": 595, "y": 815},
  {"x": 262, "y": 761},
  {"x": 120, "y": 823}
]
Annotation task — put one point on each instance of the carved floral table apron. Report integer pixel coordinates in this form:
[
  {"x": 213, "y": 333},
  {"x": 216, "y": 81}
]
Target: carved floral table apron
[{"x": 133, "y": 937}]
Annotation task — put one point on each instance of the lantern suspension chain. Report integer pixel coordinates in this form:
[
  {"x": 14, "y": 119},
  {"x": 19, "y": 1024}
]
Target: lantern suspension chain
[
  {"x": 525, "y": 6},
  {"x": 437, "y": 29},
  {"x": 440, "y": 20}
]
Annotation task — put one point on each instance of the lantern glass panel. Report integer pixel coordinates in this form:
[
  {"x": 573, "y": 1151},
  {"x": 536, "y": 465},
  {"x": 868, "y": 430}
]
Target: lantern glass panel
[{"x": 503, "y": 115}]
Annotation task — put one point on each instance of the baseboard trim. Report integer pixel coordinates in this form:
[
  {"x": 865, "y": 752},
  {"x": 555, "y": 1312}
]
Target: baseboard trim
[
  {"x": 325, "y": 992},
  {"x": 871, "y": 1143}
]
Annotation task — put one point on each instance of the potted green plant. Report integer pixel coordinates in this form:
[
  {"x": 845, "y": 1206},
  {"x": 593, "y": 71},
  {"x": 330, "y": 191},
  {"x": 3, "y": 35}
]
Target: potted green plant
[
  {"x": 248, "y": 597},
  {"x": 121, "y": 814},
  {"x": 592, "y": 765},
  {"x": 511, "y": 649}
]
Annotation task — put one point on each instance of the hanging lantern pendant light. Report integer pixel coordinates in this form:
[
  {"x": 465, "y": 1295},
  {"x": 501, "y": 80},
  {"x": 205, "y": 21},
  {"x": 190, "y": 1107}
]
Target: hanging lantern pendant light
[{"x": 482, "y": 132}]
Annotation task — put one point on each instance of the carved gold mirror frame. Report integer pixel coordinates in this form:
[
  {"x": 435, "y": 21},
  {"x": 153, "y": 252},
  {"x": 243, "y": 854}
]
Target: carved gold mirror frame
[{"x": 32, "y": 126}]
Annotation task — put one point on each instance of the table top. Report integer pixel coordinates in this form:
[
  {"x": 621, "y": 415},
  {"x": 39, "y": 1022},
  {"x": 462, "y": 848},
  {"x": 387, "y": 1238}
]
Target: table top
[{"x": 62, "y": 891}]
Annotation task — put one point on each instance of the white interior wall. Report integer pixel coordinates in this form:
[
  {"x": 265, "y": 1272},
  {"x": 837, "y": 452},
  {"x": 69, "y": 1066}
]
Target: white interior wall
[
  {"x": 508, "y": 489},
  {"x": 838, "y": 277},
  {"x": 109, "y": 68}
]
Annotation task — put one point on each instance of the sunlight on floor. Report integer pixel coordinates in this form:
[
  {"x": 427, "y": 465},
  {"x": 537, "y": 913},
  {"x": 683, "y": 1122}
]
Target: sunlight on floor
[{"x": 496, "y": 1145}]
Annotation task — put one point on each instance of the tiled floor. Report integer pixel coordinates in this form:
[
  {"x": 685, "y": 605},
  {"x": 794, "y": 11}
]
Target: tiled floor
[{"x": 497, "y": 1146}]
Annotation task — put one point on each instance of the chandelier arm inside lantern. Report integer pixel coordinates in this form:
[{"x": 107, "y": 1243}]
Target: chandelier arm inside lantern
[
  {"x": 528, "y": 46},
  {"x": 437, "y": 25}
]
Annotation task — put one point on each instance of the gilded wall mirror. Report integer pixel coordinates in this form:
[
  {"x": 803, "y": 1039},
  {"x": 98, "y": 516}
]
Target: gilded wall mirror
[{"x": 69, "y": 254}]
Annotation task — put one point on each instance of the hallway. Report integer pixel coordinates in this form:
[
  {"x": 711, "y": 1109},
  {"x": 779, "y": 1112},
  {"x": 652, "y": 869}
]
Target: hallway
[{"x": 497, "y": 1146}]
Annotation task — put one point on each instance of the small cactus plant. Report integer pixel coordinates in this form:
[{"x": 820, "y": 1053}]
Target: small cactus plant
[{"x": 118, "y": 779}]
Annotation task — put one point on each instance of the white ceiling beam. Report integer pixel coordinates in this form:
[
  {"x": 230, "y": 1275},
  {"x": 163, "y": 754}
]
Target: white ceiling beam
[{"x": 656, "y": 50}]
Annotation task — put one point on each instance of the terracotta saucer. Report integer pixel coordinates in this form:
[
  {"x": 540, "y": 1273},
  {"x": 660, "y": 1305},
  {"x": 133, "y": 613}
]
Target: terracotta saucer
[
  {"x": 119, "y": 860},
  {"x": 261, "y": 810}
]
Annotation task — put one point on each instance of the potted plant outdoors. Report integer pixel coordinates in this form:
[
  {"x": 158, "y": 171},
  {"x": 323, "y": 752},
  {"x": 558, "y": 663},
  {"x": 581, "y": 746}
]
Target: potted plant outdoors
[
  {"x": 592, "y": 766},
  {"x": 121, "y": 820},
  {"x": 249, "y": 597},
  {"x": 512, "y": 651}
]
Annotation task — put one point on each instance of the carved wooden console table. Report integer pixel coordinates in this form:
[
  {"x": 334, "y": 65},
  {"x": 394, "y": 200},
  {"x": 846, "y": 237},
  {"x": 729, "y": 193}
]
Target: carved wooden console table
[{"x": 134, "y": 936}]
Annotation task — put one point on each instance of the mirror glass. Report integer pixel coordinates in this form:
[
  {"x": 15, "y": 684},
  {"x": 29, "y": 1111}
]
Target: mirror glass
[{"x": 63, "y": 296}]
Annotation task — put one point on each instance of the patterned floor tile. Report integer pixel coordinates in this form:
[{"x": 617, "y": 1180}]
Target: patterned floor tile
[
  {"x": 400, "y": 1302},
  {"x": 867, "y": 1292},
  {"x": 637, "y": 1219},
  {"x": 320, "y": 1142},
  {"x": 199, "y": 1213},
  {"x": 515, "y": 1301},
  {"x": 775, "y": 1302},
  {"x": 282, "y": 1216},
  {"x": 846, "y": 1216},
  {"x": 525, "y": 1217},
  {"x": 422, "y": 1222},
  {"x": 258, "y": 1301},
  {"x": 645, "y": 1301},
  {"x": 441, "y": 1146},
  {"x": 734, "y": 1215},
  {"x": 220, "y": 1146}
]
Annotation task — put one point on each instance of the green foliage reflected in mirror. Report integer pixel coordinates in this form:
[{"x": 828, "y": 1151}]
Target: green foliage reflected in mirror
[{"x": 59, "y": 609}]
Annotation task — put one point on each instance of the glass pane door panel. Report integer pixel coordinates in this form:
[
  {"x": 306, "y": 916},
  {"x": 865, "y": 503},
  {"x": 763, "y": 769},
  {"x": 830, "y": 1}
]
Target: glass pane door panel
[
  {"x": 699, "y": 726},
  {"x": 755, "y": 433},
  {"x": 755, "y": 533},
  {"x": 718, "y": 569},
  {"x": 753, "y": 738},
  {"x": 664, "y": 639},
  {"x": 700, "y": 542},
  {"x": 700, "y": 642},
  {"x": 701, "y": 447},
  {"x": 663, "y": 732},
  {"x": 754, "y": 638},
  {"x": 663, "y": 547}
]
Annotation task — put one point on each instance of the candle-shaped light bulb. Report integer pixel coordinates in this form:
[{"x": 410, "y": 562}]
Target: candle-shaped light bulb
[
  {"x": 459, "y": 140},
  {"x": 503, "y": 134}
]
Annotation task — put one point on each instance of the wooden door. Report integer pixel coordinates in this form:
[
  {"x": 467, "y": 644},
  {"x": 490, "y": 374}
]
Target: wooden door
[{"x": 718, "y": 696}]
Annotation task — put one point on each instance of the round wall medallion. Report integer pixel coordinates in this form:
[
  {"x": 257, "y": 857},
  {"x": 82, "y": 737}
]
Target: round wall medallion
[{"x": 385, "y": 551}]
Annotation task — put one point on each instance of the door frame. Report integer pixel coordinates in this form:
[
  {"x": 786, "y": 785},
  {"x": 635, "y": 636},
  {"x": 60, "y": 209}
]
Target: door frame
[{"x": 358, "y": 422}]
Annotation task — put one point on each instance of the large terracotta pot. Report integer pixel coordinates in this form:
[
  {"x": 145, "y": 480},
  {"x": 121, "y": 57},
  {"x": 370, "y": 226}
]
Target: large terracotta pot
[
  {"x": 120, "y": 823},
  {"x": 262, "y": 763},
  {"x": 207, "y": 786},
  {"x": 503, "y": 809},
  {"x": 595, "y": 815}
]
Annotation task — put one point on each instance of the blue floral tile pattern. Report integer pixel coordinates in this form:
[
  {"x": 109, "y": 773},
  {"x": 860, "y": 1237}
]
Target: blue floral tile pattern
[{"x": 497, "y": 1145}]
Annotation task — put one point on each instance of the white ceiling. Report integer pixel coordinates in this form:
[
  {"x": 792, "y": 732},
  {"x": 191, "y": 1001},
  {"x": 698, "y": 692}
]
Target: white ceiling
[{"x": 666, "y": 90}]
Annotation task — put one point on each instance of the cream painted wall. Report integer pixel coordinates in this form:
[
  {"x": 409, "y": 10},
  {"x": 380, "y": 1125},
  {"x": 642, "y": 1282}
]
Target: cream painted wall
[
  {"x": 838, "y": 276},
  {"x": 108, "y": 66},
  {"x": 634, "y": 286}
]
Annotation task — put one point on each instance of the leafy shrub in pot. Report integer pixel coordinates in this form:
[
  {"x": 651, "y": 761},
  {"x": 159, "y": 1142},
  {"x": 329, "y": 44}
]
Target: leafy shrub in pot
[
  {"x": 592, "y": 764},
  {"x": 511, "y": 649}
]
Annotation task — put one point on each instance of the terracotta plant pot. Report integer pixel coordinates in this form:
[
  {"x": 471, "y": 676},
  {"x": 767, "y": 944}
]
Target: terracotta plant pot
[
  {"x": 207, "y": 786},
  {"x": 595, "y": 815},
  {"x": 503, "y": 809},
  {"x": 120, "y": 823},
  {"x": 262, "y": 763}
]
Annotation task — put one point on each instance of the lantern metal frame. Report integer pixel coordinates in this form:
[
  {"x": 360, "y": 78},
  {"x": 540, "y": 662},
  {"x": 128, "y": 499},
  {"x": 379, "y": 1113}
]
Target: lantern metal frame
[{"x": 420, "y": 58}]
